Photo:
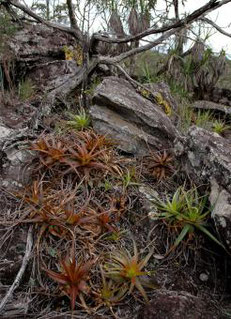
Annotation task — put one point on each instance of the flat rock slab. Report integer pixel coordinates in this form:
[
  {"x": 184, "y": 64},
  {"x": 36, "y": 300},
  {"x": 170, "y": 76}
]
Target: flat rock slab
[
  {"x": 216, "y": 107},
  {"x": 135, "y": 122}
]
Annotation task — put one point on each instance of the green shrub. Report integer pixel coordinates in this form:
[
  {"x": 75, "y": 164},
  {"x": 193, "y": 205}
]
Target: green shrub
[{"x": 186, "y": 212}]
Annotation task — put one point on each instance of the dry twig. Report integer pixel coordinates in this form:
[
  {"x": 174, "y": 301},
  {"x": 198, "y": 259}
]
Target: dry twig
[{"x": 18, "y": 278}]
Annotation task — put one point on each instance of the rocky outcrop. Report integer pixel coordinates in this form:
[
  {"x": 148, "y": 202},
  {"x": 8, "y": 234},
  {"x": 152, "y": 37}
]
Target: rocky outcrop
[
  {"x": 37, "y": 43},
  {"x": 37, "y": 53},
  {"x": 208, "y": 156},
  {"x": 162, "y": 90},
  {"x": 177, "y": 305},
  {"x": 135, "y": 122}
]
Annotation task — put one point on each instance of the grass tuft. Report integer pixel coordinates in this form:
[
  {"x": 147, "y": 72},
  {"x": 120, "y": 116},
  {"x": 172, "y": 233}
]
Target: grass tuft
[
  {"x": 26, "y": 90},
  {"x": 220, "y": 127}
]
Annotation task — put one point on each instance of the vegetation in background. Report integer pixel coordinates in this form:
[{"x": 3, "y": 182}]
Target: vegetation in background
[
  {"x": 7, "y": 27},
  {"x": 80, "y": 199},
  {"x": 186, "y": 116}
]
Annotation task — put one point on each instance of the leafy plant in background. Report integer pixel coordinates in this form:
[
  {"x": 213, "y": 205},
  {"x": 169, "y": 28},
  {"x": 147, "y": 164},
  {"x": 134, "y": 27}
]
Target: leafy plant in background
[
  {"x": 187, "y": 117},
  {"x": 7, "y": 27},
  {"x": 92, "y": 86},
  {"x": 186, "y": 212},
  {"x": 148, "y": 77},
  {"x": 197, "y": 72},
  {"x": 178, "y": 90}
]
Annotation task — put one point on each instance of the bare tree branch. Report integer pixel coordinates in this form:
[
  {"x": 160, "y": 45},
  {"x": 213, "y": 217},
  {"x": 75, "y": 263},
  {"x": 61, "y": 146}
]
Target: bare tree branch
[
  {"x": 190, "y": 19},
  {"x": 18, "y": 278},
  {"x": 210, "y": 6},
  {"x": 219, "y": 29},
  {"x": 122, "y": 56},
  {"x": 167, "y": 31}
]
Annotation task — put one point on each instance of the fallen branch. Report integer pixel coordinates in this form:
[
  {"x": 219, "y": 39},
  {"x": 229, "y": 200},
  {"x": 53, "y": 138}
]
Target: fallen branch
[{"x": 18, "y": 278}]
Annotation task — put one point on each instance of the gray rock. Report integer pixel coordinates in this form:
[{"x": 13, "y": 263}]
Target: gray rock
[
  {"x": 216, "y": 107},
  {"x": 52, "y": 75},
  {"x": 148, "y": 195},
  {"x": 135, "y": 122},
  {"x": 208, "y": 156},
  {"x": 37, "y": 43},
  {"x": 220, "y": 95},
  {"x": 38, "y": 54},
  {"x": 220, "y": 200},
  {"x": 14, "y": 159},
  {"x": 178, "y": 305},
  {"x": 15, "y": 133}
]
